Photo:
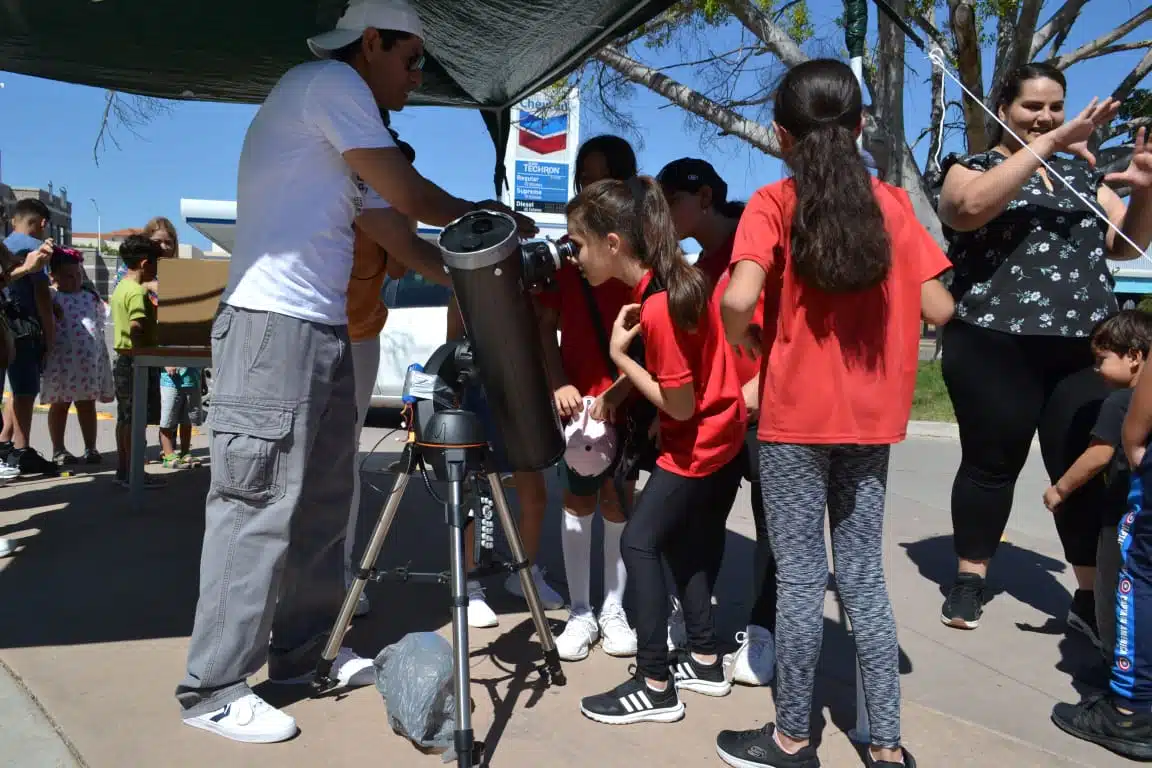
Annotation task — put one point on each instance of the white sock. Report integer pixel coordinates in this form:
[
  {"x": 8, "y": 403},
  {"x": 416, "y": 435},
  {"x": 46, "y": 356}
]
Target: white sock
[
  {"x": 615, "y": 574},
  {"x": 576, "y": 541}
]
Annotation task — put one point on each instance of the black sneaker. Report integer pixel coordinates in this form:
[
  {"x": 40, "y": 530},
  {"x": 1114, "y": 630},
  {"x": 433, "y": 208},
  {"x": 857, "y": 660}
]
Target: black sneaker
[
  {"x": 30, "y": 462},
  {"x": 758, "y": 749},
  {"x": 1082, "y": 616},
  {"x": 871, "y": 762},
  {"x": 92, "y": 456},
  {"x": 5, "y": 450},
  {"x": 634, "y": 702},
  {"x": 965, "y": 602},
  {"x": 1097, "y": 720},
  {"x": 691, "y": 675},
  {"x": 64, "y": 458}
]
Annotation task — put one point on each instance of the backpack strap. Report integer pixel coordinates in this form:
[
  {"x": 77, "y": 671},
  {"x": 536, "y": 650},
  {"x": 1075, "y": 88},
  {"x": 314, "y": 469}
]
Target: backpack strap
[{"x": 598, "y": 323}]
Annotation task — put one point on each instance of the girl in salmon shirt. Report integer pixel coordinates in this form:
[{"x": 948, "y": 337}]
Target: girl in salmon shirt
[
  {"x": 701, "y": 210},
  {"x": 851, "y": 272},
  {"x": 624, "y": 230}
]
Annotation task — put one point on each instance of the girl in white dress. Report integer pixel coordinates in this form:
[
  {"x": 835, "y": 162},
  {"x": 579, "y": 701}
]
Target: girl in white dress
[{"x": 77, "y": 369}]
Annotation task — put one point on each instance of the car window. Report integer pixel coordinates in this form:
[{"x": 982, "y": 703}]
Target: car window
[{"x": 413, "y": 290}]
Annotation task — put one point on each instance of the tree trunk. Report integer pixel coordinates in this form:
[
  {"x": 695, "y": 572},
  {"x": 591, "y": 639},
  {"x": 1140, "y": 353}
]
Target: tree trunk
[
  {"x": 962, "y": 18},
  {"x": 889, "y": 105}
]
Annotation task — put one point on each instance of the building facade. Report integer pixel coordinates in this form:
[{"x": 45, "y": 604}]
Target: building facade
[{"x": 59, "y": 228}]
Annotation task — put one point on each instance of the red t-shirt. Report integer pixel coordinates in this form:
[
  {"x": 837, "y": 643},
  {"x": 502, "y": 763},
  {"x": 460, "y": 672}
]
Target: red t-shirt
[
  {"x": 714, "y": 265},
  {"x": 714, "y": 435},
  {"x": 580, "y": 349},
  {"x": 841, "y": 368}
]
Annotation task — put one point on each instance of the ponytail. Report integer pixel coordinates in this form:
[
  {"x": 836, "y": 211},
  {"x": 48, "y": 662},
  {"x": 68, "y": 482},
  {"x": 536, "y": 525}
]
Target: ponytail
[
  {"x": 839, "y": 242},
  {"x": 637, "y": 211}
]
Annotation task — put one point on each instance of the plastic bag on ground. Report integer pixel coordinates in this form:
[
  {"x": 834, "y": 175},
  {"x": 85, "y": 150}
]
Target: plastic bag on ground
[{"x": 415, "y": 678}]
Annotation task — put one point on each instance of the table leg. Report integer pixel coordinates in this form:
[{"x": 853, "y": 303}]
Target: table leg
[{"x": 139, "y": 435}]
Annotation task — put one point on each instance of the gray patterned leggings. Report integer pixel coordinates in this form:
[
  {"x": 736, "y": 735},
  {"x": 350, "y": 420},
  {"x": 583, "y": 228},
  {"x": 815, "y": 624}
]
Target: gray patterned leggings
[{"x": 799, "y": 482}]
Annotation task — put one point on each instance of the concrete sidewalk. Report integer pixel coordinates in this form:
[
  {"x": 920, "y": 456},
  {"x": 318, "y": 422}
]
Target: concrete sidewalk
[{"x": 96, "y": 606}]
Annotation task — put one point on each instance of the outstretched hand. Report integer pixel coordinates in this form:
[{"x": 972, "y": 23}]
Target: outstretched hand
[
  {"x": 1074, "y": 135},
  {"x": 1138, "y": 174}
]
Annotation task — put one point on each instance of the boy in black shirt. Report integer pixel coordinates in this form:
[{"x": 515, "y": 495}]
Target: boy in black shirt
[{"x": 1121, "y": 722}]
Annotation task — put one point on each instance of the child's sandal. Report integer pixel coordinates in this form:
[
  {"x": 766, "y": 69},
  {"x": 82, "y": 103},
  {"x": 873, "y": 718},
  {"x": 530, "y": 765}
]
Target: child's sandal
[
  {"x": 171, "y": 461},
  {"x": 189, "y": 461}
]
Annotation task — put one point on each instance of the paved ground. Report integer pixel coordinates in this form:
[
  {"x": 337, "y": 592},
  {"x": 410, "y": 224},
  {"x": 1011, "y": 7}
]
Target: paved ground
[{"x": 96, "y": 607}]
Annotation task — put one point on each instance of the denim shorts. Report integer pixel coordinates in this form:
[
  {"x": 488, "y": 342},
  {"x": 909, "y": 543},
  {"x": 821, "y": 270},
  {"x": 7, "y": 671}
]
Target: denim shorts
[{"x": 25, "y": 369}]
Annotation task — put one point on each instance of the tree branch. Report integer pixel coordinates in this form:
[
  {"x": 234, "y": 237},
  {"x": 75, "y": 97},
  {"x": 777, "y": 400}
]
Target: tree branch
[
  {"x": 1060, "y": 63},
  {"x": 688, "y": 99},
  {"x": 769, "y": 32},
  {"x": 1058, "y": 24},
  {"x": 1098, "y": 46},
  {"x": 962, "y": 19},
  {"x": 1138, "y": 73}
]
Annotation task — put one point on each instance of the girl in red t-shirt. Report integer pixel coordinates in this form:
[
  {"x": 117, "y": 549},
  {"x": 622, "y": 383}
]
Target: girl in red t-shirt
[
  {"x": 625, "y": 232},
  {"x": 851, "y": 272},
  {"x": 701, "y": 210}
]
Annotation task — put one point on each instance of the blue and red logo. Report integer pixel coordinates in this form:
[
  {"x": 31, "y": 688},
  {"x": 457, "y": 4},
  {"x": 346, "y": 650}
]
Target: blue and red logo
[{"x": 544, "y": 135}]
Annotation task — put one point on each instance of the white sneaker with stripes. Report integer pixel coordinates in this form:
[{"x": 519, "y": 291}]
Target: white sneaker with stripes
[{"x": 634, "y": 701}]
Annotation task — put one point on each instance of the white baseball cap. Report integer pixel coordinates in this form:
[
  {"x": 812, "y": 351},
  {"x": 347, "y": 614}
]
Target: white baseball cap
[
  {"x": 591, "y": 444},
  {"x": 393, "y": 15}
]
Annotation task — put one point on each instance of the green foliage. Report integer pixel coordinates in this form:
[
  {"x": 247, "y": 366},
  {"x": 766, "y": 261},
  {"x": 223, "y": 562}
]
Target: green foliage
[
  {"x": 1145, "y": 304},
  {"x": 1139, "y": 104},
  {"x": 700, "y": 15}
]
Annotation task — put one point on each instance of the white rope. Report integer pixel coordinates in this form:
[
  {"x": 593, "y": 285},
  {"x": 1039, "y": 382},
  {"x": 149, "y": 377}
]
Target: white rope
[{"x": 936, "y": 56}]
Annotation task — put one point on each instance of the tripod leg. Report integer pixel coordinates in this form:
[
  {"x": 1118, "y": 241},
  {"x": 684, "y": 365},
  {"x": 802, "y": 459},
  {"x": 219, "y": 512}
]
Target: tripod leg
[
  {"x": 323, "y": 680},
  {"x": 457, "y": 521},
  {"x": 512, "y": 533}
]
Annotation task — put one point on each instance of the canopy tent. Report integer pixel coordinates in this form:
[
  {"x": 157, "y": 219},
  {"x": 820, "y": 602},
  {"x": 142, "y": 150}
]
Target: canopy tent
[{"x": 483, "y": 54}]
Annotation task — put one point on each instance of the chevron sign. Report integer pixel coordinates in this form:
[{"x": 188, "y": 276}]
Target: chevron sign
[{"x": 543, "y": 135}]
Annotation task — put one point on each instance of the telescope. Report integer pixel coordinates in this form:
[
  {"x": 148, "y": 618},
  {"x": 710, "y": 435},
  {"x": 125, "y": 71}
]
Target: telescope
[{"x": 493, "y": 275}]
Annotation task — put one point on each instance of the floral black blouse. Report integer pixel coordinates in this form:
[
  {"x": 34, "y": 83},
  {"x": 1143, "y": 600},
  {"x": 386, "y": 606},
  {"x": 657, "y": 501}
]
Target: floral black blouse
[{"x": 1038, "y": 268}]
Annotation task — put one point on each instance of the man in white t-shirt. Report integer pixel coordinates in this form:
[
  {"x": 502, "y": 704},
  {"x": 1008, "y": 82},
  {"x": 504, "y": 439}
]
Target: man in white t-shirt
[{"x": 283, "y": 410}]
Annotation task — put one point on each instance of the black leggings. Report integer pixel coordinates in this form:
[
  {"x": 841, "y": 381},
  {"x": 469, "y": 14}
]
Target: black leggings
[
  {"x": 1004, "y": 388},
  {"x": 682, "y": 520}
]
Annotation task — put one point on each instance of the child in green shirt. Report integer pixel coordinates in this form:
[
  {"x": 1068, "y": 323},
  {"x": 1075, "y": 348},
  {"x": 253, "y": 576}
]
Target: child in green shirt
[{"x": 134, "y": 326}]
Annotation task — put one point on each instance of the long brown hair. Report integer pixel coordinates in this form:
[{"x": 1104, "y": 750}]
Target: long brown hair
[
  {"x": 163, "y": 224},
  {"x": 637, "y": 211},
  {"x": 839, "y": 243}
]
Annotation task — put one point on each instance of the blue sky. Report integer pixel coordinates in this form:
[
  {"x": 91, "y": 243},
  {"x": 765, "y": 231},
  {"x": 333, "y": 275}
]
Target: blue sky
[{"x": 49, "y": 128}]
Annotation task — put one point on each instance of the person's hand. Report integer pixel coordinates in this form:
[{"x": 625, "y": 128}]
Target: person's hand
[
  {"x": 748, "y": 345},
  {"x": 569, "y": 403},
  {"x": 625, "y": 328},
  {"x": 172, "y": 370},
  {"x": 751, "y": 402},
  {"x": 39, "y": 258},
  {"x": 1073, "y": 136},
  {"x": 1138, "y": 175},
  {"x": 524, "y": 225},
  {"x": 603, "y": 408},
  {"x": 1053, "y": 498}
]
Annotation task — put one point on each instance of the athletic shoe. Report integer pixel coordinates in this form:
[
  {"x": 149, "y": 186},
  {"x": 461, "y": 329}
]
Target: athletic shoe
[
  {"x": 64, "y": 458},
  {"x": 691, "y": 675},
  {"x": 758, "y": 749},
  {"x": 92, "y": 456},
  {"x": 30, "y": 462},
  {"x": 549, "y": 598},
  {"x": 754, "y": 663},
  {"x": 578, "y": 637},
  {"x": 677, "y": 631},
  {"x": 8, "y": 474},
  {"x": 616, "y": 637},
  {"x": 7, "y": 547},
  {"x": 871, "y": 762},
  {"x": 348, "y": 668},
  {"x": 480, "y": 616},
  {"x": 1082, "y": 616},
  {"x": 250, "y": 719},
  {"x": 965, "y": 602},
  {"x": 634, "y": 702},
  {"x": 1097, "y": 720}
]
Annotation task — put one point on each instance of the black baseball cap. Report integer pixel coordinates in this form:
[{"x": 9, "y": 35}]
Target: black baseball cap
[{"x": 689, "y": 174}]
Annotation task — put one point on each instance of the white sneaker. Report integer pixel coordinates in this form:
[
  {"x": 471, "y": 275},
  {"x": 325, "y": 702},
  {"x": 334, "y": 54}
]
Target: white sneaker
[
  {"x": 578, "y": 637},
  {"x": 617, "y": 638},
  {"x": 349, "y": 668},
  {"x": 7, "y": 547},
  {"x": 754, "y": 663},
  {"x": 677, "y": 631},
  {"x": 480, "y": 615},
  {"x": 549, "y": 598},
  {"x": 8, "y": 474},
  {"x": 250, "y": 719}
]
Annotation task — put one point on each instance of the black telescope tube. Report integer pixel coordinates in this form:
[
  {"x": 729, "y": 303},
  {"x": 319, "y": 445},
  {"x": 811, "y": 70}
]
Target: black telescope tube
[{"x": 482, "y": 253}]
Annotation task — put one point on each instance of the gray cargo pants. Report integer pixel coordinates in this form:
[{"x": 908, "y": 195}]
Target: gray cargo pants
[{"x": 282, "y": 421}]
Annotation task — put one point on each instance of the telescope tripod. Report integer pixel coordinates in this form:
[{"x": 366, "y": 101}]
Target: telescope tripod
[{"x": 460, "y": 465}]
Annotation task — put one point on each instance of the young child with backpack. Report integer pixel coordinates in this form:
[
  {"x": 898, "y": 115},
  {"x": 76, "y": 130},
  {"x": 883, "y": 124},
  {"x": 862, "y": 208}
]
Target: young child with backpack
[
  {"x": 850, "y": 272},
  {"x": 624, "y": 231}
]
